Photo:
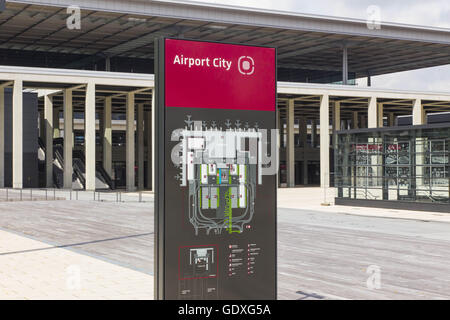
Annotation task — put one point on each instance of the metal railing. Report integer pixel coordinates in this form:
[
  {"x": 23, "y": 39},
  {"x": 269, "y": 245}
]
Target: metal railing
[{"x": 10, "y": 194}]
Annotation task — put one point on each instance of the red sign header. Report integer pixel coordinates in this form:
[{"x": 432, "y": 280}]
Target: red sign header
[{"x": 219, "y": 76}]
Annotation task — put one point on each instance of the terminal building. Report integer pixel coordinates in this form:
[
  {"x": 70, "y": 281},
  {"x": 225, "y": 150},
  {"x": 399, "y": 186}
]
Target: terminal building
[{"x": 77, "y": 97}]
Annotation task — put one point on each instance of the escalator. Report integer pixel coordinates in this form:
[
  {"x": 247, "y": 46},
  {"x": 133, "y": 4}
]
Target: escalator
[
  {"x": 78, "y": 181},
  {"x": 102, "y": 180}
]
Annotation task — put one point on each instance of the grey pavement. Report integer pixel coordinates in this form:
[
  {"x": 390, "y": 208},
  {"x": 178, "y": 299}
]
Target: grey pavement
[
  {"x": 322, "y": 255},
  {"x": 327, "y": 255},
  {"x": 118, "y": 232}
]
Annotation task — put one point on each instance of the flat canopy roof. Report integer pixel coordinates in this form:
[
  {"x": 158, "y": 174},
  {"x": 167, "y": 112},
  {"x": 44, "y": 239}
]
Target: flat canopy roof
[{"x": 310, "y": 45}]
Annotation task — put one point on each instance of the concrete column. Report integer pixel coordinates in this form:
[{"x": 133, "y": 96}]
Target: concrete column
[
  {"x": 101, "y": 133},
  {"x": 337, "y": 116},
  {"x": 48, "y": 115},
  {"x": 290, "y": 147},
  {"x": 278, "y": 143},
  {"x": 89, "y": 134},
  {"x": 336, "y": 121},
  {"x": 280, "y": 129},
  {"x": 391, "y": 119},
  {"x": 101, "y": 127},
  {"x": 17, "y": 135},
  {"x": 148, "y": 142},
  {"x": 73, "y": 132},
  {"x": 362, "y": 122},
  {"x": 344, "y": 64},
  {"x": 313, "y": 133},
  {"x": 153, "y": 137},
  {"x": 419, "y": 115},
  {"x": 68, "y": 141},
  {"x": 375, "y": 120},
  {"x": 108, "y": 64},
  {"x": 419, "y": 118},
  {"x": 305, "y": 169},
  {"x": 324, "y": 141},
  {"x": 41, "y": 125},
  {"x": 303, "y": 132},
  {"x": 355, "y": 120},
  {"x": 421, "y": 147},
  {"x": 2, "y": 137},
  {"x": 140, "y": 145},
  {"x": 380, "y": 115},
  {"x": 130, "y": 143},
  {"x": 372, "y": 113},
  {"x": 107, "y": 136},
  {"x": 56, "y": 132}
]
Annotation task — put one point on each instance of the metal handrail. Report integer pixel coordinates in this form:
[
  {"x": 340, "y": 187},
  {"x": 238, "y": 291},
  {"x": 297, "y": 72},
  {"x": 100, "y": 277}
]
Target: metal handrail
[
  {"x": 41, "y": 144},
  {"x": 78, "y": 169},
  {"x": 105, "y": 176}
]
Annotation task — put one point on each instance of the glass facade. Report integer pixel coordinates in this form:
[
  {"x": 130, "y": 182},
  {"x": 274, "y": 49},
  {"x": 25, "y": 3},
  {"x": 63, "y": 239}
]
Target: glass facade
[{"x": 398, "y": 164}]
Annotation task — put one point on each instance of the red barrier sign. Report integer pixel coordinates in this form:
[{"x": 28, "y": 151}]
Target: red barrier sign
[{"x": 368, "y": 147}]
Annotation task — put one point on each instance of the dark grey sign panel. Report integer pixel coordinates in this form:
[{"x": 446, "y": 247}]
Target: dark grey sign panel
[{"x": 215, "y": 201}]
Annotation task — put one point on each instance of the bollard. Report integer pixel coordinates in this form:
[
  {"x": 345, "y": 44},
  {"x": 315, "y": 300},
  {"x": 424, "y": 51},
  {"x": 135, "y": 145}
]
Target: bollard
[
  {"x": 7, "y": 195},
  {"x": 76, "y": 193},
  {"x": 54, "y": 194},
  {"x": 31, "y": 194},
  {"x": 46, "y": 198},
  {"x": 20, "y": 194}
]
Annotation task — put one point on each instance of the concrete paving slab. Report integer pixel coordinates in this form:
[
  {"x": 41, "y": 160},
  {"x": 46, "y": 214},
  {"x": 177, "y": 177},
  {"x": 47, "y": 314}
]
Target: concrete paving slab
[
  {"x": 118, "y": 232},
  {"x": 32, "y": 269}
]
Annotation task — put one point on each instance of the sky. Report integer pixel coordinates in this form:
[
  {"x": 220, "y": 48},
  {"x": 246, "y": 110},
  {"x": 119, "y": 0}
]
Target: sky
[{"x": 433, "y": 13}]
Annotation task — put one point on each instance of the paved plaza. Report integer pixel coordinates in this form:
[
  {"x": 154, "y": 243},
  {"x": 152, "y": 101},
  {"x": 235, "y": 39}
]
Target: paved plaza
[
  {"x": 33, "y": 269},
  {"x": 104, "y": 250}
]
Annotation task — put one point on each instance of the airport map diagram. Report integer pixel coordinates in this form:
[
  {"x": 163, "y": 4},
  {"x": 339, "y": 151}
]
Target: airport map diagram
[{"x": 221, "y": 167}]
